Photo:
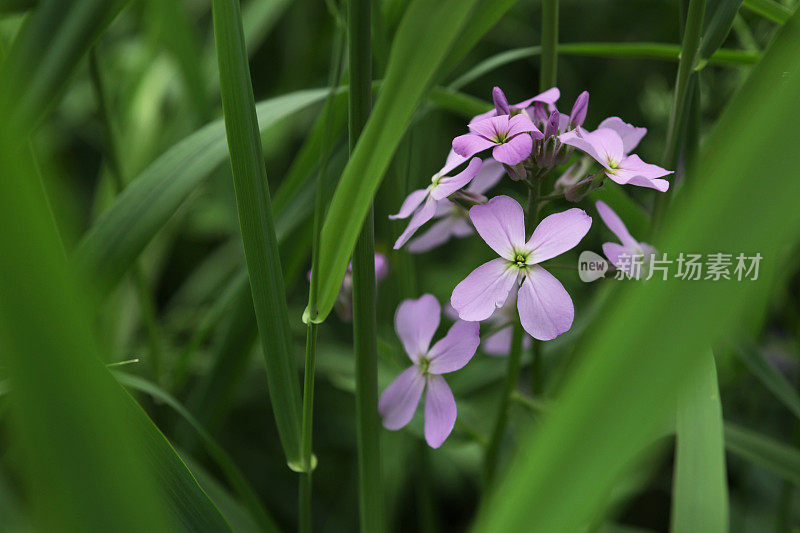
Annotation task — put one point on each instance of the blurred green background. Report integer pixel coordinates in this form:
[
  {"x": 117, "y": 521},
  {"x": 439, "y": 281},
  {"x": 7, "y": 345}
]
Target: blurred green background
[{"x": 184, "y": 312}]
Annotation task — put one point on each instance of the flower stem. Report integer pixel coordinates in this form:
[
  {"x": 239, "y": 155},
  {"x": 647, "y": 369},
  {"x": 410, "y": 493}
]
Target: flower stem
[
  {"x": 306, "y": 443},
  {"x": 682, "y": 101},
  {"x": 512, "y": 376},
  {"x": 306, "y": 440},
  {"x": 364, "y": 321},
  {"x": 549, "y": 62}
]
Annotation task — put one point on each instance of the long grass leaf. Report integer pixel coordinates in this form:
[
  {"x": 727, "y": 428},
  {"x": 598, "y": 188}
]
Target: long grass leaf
[
  {"x": 46, "y": 52},
  {"x": 769, "y": 9},
  {"x": 225, "y": 463},
  {"x": 428, "y": 29},
  {"x": 661, "y": 51},
  {"x": 257, "y": 224},
  {"x": 771, "y": 455},
  {"x": 700, "y": 487},
  {"x": 770, "y": 377},
  {"x": 631, "y": 367},
  {"x": 80, "y": 437},
  {"x": 109, "y": 247}
]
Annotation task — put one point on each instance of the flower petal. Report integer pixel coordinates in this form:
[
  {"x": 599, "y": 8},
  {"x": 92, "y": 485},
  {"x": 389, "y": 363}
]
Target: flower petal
[
  {"x": 558, "y": 233},
  {"x": 400, "y": 399},
  {"x": 500, "y": 101},
  {"x": 613, "y": 251},
  {"x": 545, "y": 308},
  {"x": 410, "y": 204},
  {"x": 415, "y": 322},
  {"x": 450, "y": 184},
  {"x": 614, "y": 223},
  {"x": 521, "y": 124},
  {"x": 456, "y": 348},
  {"x": 484, "y": 290},
  {"x": 550, "y": 96},
  {"x": 470, "y": 144},
  {"x": 632, "y": 170},
  {"x": 501, "y": 223},
  {"x": 438, "y": 234},
  {"x": 605, "y": 145},
  {"x": 490, "y": 127},
  {"x": 440, "y": 411},
  {"x": 515, "y": 150},
  {"x": 422, "y": 215},
  {"x": 487, "y": 177},
  {"x": 453, "y": 160},
  {"x": 630, "y": 134}
]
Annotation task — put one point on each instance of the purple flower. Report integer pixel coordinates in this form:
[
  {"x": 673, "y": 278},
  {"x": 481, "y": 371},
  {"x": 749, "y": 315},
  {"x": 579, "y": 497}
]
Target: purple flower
[
  {"x": 415, "y": 323},
  {"x": 501, "y": 107},
  {"x": 607, "y": 147},
  {"x": 510, "y": 138},
  {"x": 630, "y": 247},
  {"x": 423, "y": 203},
  {"x": 453, "y": 220},
  {"x": 545, "y": 308}
]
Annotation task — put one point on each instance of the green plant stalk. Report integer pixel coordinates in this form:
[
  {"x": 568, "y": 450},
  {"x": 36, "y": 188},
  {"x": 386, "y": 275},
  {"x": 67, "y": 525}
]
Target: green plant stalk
[
  {"x": 531, "y": 221},
  {"x": 364, "y": 319},
  {"x": 306, "y": 438},
  {"x": 512, "y": 376},
  {"x": 682, "y": 100},
  {"x": 257, "y": 225},
  {"x": 147, "y": 306},
  {"x": 306, "y": 450},
  {"x": 549, "y": 62}
]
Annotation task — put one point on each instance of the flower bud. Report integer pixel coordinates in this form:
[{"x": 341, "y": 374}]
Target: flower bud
[
  {"x": 539, "y": 114},
  {"x": 500, "y": 102},
  {"x": 551, "y": 129},
  {"x": 578, "y": 113}
]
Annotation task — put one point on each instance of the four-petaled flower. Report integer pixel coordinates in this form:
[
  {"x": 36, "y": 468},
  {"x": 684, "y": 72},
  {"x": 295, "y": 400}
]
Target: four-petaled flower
[
  {"x": 545, "y": 308},
  {"x": 608, "y": 148},
  {"x": 511, "y": 138},
  {"x": 621, "y": 255},
  {"x": 415, "y": 323},
  {"x": 440, "y": 188}
]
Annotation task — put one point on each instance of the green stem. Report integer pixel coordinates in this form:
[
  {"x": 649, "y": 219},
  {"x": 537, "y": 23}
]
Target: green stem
[
  {"x": 144, "y": 297},
  {"x": 512, "y": 376},
  {"x": 364, "y": 320},
  {"x": 682, "y": 100},
  {"x": 549, "y": 63},
  {"x": 306, "y": 437}
]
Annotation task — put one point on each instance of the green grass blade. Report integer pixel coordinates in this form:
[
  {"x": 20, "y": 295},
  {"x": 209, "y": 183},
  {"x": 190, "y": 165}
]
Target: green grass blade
[
  {"x": 769, "y": 9},
  {"x": 776, "y": 457},
  {"x": 661, "y": 51},
  {"x": 80, "y": 436},
  {"x": 257, "y": 224},
  {"x": 425, "y": 35},
  {"x": 46, "y": 52},
  {"x": 700, "y": 487},
  {"x": 770, "y": 377},
  {"x": 616, "y": 395},
  {"x": 718, "y": 27},
  {"x": 217, "y": 453},
  {"x": 110, "y": 246},
  {"x": 483, "y": 16}
]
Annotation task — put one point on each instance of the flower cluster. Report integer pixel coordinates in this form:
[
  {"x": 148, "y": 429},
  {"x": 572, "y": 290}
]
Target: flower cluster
[{"x": 527, "y": 142}]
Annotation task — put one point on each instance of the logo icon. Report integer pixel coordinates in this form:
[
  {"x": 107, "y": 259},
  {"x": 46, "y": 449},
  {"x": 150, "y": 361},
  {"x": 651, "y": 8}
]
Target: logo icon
[{"x": 591, "y": 266}]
